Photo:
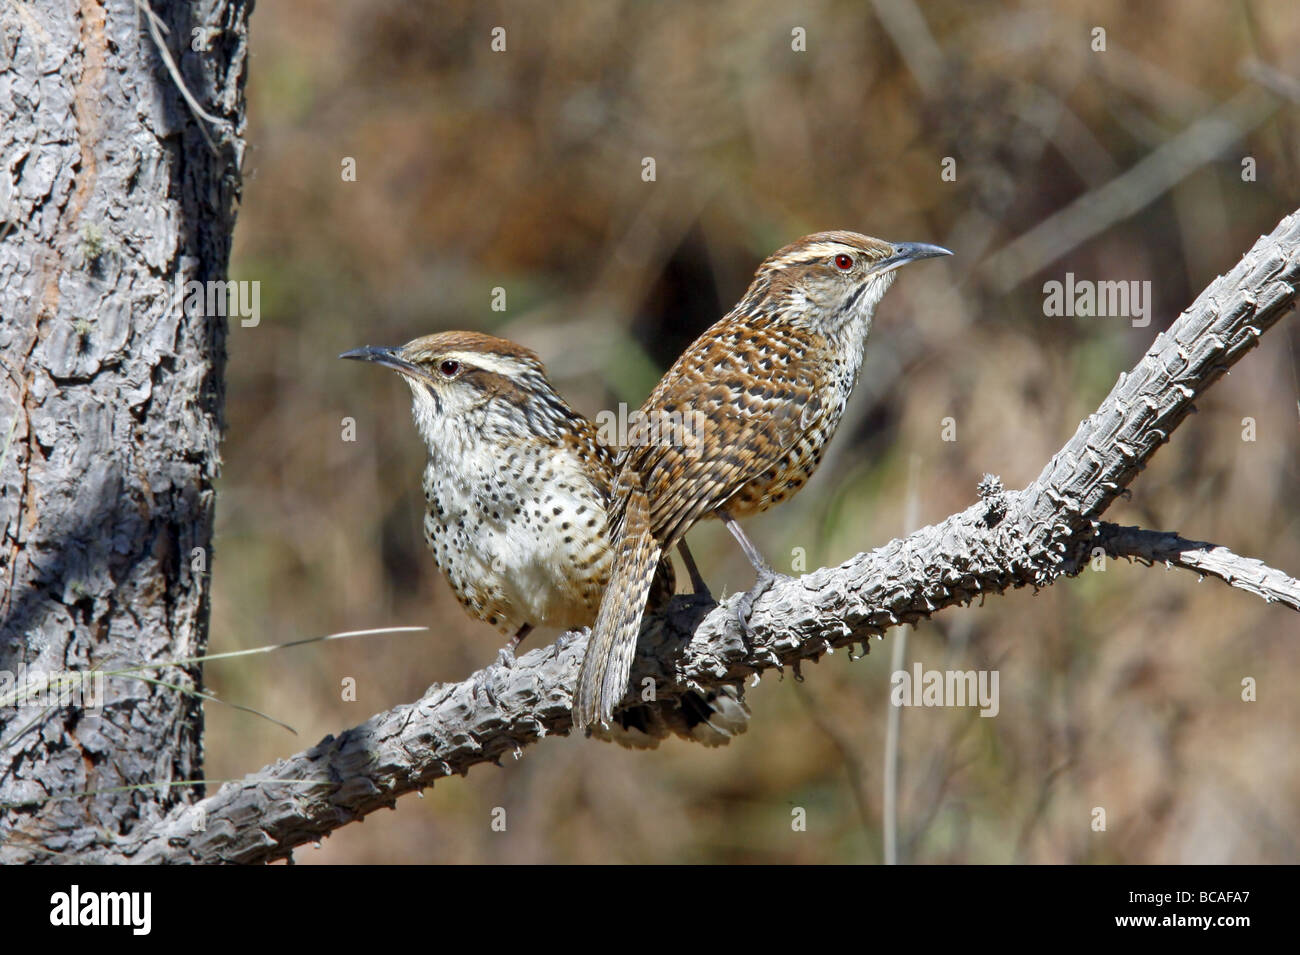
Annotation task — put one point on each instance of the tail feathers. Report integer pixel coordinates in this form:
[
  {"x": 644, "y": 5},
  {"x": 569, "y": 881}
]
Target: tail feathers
[
  {"x": 608, "y": 661},
  {"x": 712, "y": 719},
  {"x": 716, "y": 718},
  {"x": 664, "y": 586}
]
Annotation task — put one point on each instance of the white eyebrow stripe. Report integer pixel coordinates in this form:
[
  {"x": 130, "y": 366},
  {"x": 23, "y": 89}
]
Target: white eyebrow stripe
[
  {"x": 826, "y": 248},
  {"x": 497, "y": 364},
  {"x": 819, "y": 250}
]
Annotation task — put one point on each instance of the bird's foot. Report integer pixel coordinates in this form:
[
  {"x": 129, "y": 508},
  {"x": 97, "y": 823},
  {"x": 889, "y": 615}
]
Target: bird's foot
[{"x": 767, "y": 577}]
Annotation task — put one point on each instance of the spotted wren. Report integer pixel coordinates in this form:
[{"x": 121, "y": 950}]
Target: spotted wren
[
  {"x": 517, "y": 489},
  {"x": 768, "y": 384}
]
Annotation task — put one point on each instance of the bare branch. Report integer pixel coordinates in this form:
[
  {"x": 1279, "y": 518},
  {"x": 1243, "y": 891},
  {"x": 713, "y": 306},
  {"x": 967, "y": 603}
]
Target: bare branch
[
  {"x": 1009, "y": 539},
  {"x": 1272, "y": 79},
  {"x": 1201, "y": 142},
  {"x": 1245, "y": 573}
]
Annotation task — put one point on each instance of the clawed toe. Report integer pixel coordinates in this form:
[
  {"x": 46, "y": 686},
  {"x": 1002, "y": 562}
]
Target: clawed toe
[{"x": 745, "y": 606}]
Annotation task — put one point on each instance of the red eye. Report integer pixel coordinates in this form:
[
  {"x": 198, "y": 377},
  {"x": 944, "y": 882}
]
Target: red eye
[
  {"x": 449, "y": 368},
  {"x": 844, "y": 261}
]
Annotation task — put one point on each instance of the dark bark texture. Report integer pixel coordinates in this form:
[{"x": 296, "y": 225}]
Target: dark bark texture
[{"x": 112, "y": 189}]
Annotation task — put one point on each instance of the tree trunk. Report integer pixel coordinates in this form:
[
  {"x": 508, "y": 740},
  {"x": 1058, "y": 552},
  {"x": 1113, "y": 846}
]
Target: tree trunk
[{"x": 112, "y": 189}]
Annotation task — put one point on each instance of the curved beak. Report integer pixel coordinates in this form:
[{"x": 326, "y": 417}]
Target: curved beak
[
  {"x": 905, "y": 252},
  {"x": 387, "y": 356}
]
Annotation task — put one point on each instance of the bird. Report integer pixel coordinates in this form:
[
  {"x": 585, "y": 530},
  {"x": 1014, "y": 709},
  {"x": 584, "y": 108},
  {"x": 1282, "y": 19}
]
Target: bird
[
  {"x": 766, "y": 387},
  {"x": 517, "y": 486}
]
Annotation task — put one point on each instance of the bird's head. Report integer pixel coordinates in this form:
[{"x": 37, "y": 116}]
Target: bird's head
[
  {"x": 453, "y": 375},
  {"x": 832, "y": 279}
]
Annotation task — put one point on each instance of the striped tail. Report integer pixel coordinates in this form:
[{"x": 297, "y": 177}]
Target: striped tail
[{"x": 608, "y": 662}]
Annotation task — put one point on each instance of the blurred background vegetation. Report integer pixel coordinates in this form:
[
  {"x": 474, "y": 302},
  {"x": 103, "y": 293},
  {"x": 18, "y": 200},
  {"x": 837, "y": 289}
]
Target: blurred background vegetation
[{"x": 522, "y": 169}]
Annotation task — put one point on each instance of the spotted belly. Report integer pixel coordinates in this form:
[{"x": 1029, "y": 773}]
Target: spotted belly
[
  {"x": 788, "y": 474},
  {"x": 509, "y": 563}
]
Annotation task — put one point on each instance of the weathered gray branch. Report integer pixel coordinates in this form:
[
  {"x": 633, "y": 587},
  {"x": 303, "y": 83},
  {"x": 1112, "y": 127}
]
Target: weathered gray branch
[
  {"x": 1009, "y": 539},
  {"x": 1205, "y": 558}
]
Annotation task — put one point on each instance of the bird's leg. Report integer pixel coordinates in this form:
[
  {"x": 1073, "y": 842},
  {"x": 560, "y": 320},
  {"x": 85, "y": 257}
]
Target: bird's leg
[
  {"x": 766, "y": 575},
  {"x": 506, "y": 656},
  {"x": 518, "y": 638},
  {"x": 698, "y": 586}
]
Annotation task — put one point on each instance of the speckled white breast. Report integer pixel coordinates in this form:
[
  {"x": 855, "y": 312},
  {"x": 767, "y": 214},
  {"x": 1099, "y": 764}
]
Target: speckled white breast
[{"x": 520, "y": 537}]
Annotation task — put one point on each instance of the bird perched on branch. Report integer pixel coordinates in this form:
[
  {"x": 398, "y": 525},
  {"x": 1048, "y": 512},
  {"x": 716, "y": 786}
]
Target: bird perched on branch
[
  {"x": 517, "y": 489},
  {"x": 767, "y": 386}
]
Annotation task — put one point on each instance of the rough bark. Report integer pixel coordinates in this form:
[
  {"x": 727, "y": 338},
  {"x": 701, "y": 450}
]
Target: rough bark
[
  {"x": 110, "y": 395},
  {"x": 1030, "y": 537},
  {"x": 1208, "y": 560}
]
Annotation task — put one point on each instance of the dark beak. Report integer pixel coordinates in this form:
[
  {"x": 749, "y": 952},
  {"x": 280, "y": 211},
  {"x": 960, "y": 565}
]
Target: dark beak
[
  {"x": 905, "y": 252},
  {"x": 387, "y": 356}
]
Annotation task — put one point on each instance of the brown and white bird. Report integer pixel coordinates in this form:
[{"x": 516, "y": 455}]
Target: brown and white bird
[
  {"x": 517, "y": 488},
  {"x": 768, "y": 383}
]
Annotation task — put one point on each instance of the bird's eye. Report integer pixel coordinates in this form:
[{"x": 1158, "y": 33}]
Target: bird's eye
[
  {"x": 449, "y": 368},
  {"x": 844, "y": 261}
]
